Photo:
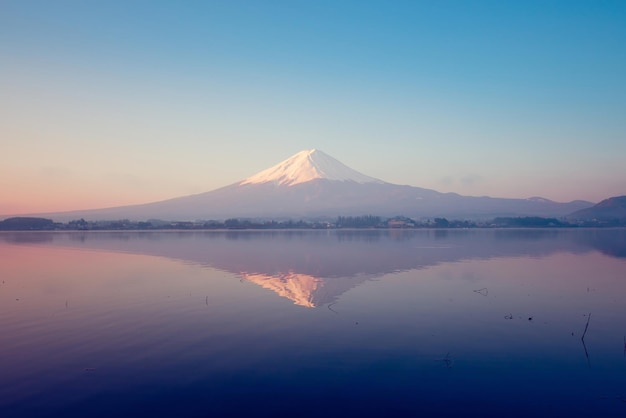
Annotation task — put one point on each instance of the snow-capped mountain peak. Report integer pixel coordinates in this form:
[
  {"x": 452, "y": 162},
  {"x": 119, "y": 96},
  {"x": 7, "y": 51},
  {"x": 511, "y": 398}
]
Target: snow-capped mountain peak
[{"x": 306, "y": 166}]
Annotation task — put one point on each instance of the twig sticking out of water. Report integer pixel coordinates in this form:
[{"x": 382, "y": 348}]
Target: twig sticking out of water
[
  {"x": 484, "y": 291},
  {"x": 330, "y": 307},
  {"x": 586, "y": 353},
  {"x": 586, "y": 326},
  {"x": 582, "y": 339}
]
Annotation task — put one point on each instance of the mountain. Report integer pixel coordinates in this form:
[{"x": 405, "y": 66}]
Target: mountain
[
  {"x": 313, "y": 184},
  {"x": 613, "y": 208}
]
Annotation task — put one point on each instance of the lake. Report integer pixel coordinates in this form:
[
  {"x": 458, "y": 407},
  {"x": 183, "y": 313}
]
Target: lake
[{"x": 313, "y": 323}]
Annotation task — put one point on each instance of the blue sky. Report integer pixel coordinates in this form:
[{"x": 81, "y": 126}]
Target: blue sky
[{"x": 108, "y": 103}]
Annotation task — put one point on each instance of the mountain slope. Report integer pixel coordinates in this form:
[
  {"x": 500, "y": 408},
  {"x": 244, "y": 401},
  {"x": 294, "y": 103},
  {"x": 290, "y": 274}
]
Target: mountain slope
[
  {"x": 609, "y": 209},
  {"x": 313, "y": 184}
]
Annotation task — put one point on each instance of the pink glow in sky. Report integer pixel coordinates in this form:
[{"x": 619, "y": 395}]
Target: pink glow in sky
[{"x": 107, "y": 104}]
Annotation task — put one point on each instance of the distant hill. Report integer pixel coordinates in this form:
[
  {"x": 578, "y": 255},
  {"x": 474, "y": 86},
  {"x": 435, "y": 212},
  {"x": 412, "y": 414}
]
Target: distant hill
[
  {"x": 26, "y": 223},
  {"x": 613, "y": 208}
]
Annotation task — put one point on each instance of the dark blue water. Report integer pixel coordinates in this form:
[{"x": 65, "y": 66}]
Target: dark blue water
[{"x": 313, "y": 323}]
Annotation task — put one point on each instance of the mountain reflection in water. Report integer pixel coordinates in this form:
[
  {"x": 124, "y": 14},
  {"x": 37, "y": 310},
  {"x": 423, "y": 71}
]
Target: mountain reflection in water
[{"x": 313, "y": 268}]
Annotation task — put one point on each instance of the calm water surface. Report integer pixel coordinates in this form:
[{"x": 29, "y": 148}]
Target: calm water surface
[{"x": 313, "y": 323}]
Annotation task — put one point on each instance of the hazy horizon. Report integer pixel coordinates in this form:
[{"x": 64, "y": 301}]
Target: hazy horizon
[{"x": 118, "y": 103}]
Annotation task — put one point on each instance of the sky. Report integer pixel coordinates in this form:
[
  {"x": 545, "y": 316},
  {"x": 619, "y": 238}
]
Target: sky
[{"x": 123, "y": 102}]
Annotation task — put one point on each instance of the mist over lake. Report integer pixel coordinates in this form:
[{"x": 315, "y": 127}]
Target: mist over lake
[{"x": 515, "y": 322}]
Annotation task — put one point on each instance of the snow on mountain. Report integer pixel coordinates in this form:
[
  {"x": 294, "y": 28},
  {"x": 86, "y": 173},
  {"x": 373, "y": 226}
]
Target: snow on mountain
[
  {"x": 539, "y": 199},
  {"x": 306, "y": 166}
]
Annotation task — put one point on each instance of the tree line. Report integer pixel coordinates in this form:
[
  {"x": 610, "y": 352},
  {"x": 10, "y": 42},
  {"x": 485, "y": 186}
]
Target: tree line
[{"x": 364, "y": 221}]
